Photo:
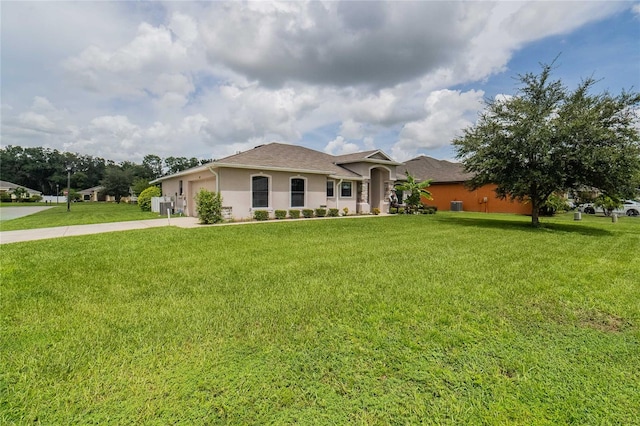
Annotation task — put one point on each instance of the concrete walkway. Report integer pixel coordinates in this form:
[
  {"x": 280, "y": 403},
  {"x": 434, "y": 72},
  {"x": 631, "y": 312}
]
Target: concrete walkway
[{"x": 8, "y": 237}]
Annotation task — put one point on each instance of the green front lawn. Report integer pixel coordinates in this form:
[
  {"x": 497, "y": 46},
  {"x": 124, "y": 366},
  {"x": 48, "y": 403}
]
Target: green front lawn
[
  {"x": 79, "y": 214},
  {"x": 445, "y": 319}
]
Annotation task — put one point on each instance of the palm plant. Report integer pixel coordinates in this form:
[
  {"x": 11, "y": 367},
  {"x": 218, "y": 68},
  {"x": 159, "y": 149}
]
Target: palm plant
[{"x": 416, "y": 191}]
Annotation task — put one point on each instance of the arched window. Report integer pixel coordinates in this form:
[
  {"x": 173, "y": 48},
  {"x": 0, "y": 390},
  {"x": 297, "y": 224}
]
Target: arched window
[
  {"x": 259, "y": 192},
  {"x": 297, "y": 192}
]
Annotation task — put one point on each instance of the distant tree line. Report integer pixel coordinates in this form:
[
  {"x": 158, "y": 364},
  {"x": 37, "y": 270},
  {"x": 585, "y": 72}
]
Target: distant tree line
[{"x": 45, "y": 170}]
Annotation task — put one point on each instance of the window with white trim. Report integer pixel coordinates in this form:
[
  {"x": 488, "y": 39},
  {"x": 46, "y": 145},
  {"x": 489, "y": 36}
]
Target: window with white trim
[
  {"x": 259, "y": 192},
  {"x": 297, "y": 192},
  {"x": 345, "y": 189}
]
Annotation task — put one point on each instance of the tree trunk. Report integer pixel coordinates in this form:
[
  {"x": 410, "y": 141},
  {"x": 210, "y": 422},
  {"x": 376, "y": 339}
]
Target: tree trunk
[{"x": 535, "y": 212}]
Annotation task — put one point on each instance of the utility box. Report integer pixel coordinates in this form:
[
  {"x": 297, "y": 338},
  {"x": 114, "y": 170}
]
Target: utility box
[
  {"x": 165, "y": 207},
  {"x": 456, "y": 206},
  {"x": 155, "y": 203}
]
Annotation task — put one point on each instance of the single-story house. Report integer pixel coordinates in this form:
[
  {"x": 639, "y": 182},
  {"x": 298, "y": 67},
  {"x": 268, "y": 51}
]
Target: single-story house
[
  {"x": 279, "y": 176},
  {"x": 95, "y": 194},
  {"x": 92, "y": 194},
  {"x": 449, "y": 185},
  {"x": 10, "y": 187}
]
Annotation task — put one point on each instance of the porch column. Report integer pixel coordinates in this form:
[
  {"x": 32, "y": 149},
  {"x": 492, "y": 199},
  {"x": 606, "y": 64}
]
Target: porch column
[{"x": 362, "y": 199}]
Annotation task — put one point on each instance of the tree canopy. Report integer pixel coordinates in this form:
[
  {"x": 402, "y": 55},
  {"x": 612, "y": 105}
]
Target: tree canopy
[
  {"x": 116, "y": 182},
  {"x": 548, "y": 139},
  {"x": 45, "y": 169}
]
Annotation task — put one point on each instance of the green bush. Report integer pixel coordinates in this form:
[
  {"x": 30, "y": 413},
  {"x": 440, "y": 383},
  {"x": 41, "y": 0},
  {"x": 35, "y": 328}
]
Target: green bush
[
  {"x": 5, "y": 197},
  {"x": 556, "y": 204},
  {"x": 294, "y": 214},
  {"x": 333, "y": 212},
  {"x": 321, "y": 212},
  {"x": 36, "y": 198},
  {"x": 393, "y": 210},
  {"x": 401, "y": 210},
  {"x": 376, "y": 211},
  {"x": 280, "y": 214},
  {"x": 261, "y": 215},
  {"x": 345, "y": 211},
  {"x": 428, "y": 209},
  {"x": 307, "y": 213},
  {"x": 209, "y": 206},
  {"x": 144, "y": 199}
]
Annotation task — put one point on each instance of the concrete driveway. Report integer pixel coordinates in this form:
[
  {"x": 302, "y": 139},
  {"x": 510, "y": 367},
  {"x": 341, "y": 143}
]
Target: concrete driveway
[
  {"x": 8, "y": 213},
  {"x": 7, "y": 237}
]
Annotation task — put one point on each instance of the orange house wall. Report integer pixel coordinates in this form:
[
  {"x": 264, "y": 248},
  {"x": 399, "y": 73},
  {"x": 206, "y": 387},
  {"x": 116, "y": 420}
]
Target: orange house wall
[{"x": 444, "y": 193}]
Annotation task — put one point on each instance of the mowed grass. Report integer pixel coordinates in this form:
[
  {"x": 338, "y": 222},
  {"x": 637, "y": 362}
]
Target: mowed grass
[
  {"x": 445, "y": 319},
  {"x": 79, "y": 214}
]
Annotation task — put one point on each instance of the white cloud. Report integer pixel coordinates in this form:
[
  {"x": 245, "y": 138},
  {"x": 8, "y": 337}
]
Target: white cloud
[
  {"x": 351, "y": 130},
  {"x": 340, "y": 146},
  {"x": 36, "y": 122},
  {"x": 447, "y": 112},
  {"x": 122, "y": 79}
]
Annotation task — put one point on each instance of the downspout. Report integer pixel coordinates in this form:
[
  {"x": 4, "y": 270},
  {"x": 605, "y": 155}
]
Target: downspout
[
  {"x": 338, "y": 195},
  {"x": 217, "y": 179}
]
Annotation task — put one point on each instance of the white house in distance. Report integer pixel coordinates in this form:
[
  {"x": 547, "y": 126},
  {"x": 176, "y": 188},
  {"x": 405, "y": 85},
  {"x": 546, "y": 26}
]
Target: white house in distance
[
  {"x": 10, "y": 187},
  {"x": 278, "y": 176}
]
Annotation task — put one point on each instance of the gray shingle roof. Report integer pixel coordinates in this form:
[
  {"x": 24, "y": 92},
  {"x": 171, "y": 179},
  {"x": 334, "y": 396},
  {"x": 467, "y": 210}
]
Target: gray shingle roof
[
  {"x": 441, "y": 171},
  {"x": 9, "y": 186},
  {"x": 280, "y": 156},
  {"x": 286, "y": 157}
]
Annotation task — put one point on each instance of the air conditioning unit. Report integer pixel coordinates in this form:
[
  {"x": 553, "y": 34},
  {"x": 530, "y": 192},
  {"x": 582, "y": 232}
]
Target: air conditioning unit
[
  {"x": 166, "y": 207},
  {"x": 456, "y": 206}
]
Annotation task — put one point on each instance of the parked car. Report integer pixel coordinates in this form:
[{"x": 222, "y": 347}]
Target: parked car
[
  {"x": 629, "y": 208},
  {"x": 588, "y": 208}
]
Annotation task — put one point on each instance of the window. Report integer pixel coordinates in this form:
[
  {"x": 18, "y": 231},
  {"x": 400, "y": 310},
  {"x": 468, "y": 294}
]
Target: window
[
  {"x": 180, "y": 187},
  {"x": 259, "y": 192},
  {"x": 297, "y": 192},
  {"x": 329, "y": 188},
  {"x": 345, "y": 189}
]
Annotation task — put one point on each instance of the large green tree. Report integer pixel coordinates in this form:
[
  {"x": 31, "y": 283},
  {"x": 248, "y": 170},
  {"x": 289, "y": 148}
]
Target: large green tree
[
  {"x": 117, "y": 182},
  {"x": 153, "y": 164},
  {"x": 547, "y": 138}
]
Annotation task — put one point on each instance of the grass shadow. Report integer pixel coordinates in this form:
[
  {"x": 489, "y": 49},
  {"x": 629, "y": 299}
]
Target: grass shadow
[{"x": 505, "y": 224}]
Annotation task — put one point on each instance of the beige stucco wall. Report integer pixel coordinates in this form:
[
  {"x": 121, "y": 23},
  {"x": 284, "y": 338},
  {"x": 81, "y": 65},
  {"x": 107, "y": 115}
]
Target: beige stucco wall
[
  {"x": 191, "y": 184},
  {"x": 364, "y": 169},
  {"x": 339, "y": 202},
  {"x": 235, "y": 188},
  {"x": 378, "y": 181}
]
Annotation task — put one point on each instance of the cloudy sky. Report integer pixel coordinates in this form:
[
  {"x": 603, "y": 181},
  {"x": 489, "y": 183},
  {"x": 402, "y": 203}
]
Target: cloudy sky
[{"x": 122, "y": 79}]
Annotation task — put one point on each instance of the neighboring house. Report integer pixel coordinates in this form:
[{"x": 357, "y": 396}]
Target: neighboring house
[
  {"x": 92, "y": 194},
  {"x": 449, "y": 185},
  {"x": 10, "y": 187},
  {"x": 95, "y": 194},
  {"x": 278, "y": 176}
]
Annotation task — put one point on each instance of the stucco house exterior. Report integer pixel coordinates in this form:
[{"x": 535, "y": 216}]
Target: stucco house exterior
[
  {"x": 279, "y": 176},
  {"x": 10, "y": 187},
  {"x": 449, "y": 185},
  {"x": 92, "y": 194},
  {"x": 95, "y": 193}
]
